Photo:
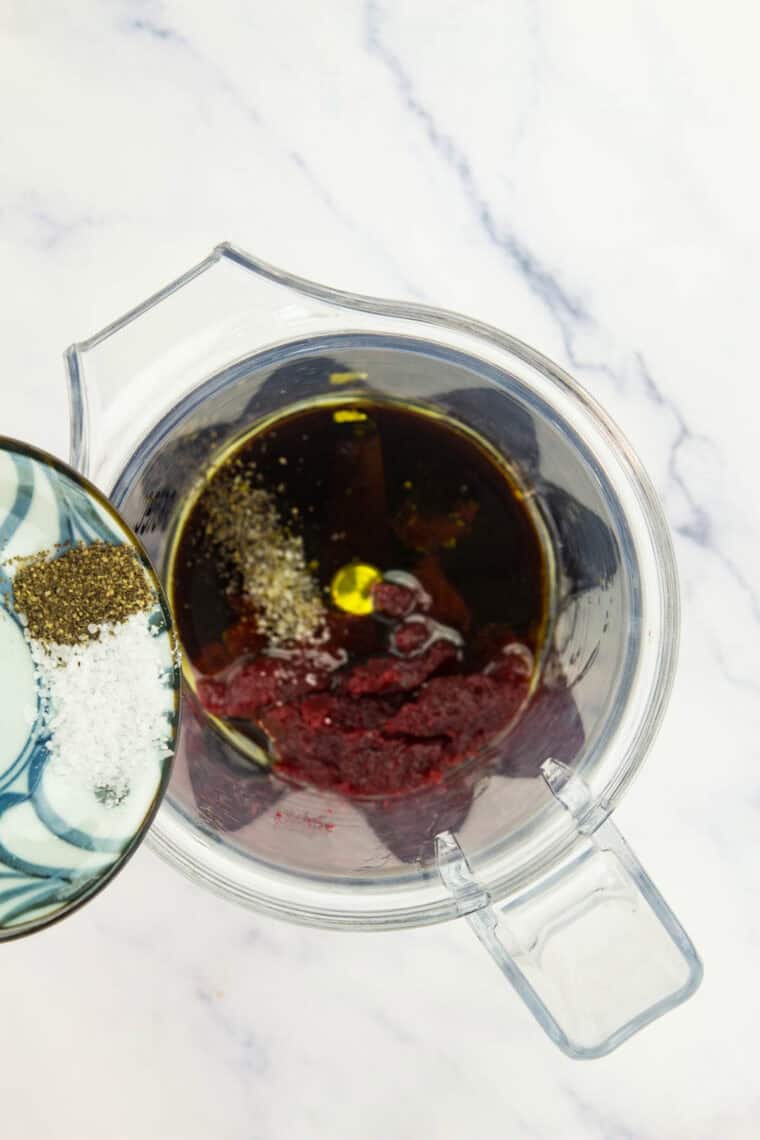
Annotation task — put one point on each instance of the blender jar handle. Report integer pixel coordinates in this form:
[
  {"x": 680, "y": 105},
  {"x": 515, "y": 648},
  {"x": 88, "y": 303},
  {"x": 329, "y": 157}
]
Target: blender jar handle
[{"x": 593, "y": 949}]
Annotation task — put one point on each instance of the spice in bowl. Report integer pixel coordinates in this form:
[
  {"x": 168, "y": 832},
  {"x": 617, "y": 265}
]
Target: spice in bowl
[
  {"x": 64, "y": 596},
  {"x": 88, "y": 690},
  {"x": 86, "y": 611}
]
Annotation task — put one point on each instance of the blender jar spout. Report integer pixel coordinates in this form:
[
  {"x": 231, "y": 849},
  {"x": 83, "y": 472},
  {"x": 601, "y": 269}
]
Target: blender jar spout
[{"x": 226, "y": 308}]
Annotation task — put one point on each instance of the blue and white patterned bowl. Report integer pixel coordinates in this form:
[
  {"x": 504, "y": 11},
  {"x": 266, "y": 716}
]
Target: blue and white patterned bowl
[{"x": 59, "y": 845}]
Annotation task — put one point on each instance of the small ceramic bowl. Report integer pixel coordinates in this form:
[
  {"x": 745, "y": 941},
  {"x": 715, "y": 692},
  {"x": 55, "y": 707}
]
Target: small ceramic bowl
[{"x": 61, "y": 839}]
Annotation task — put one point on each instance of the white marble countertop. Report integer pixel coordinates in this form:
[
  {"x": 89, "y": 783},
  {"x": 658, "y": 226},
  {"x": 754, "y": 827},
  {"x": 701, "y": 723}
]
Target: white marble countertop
[{"x": 584, "y": 176}]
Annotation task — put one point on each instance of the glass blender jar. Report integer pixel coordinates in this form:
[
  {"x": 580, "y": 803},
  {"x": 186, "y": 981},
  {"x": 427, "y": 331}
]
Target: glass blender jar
[{"x": 521, "y": 845}]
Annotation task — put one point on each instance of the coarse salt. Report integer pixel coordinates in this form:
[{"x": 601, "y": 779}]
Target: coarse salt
[{"x": 105, "y": 706}]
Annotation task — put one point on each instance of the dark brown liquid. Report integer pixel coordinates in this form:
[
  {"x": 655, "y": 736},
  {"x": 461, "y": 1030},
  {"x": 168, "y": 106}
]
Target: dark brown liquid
[{"x": 390, "y": 486}]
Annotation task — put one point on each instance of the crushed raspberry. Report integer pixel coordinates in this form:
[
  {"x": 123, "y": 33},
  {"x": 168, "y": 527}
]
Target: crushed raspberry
[
  {"x": 410, "y": 636},
  {"x": 394, "y": 600},
  {"x": 360, "y": 743},
  {"x": 398, "y": 720},
  {"x": 246, "y": 688},
  {"x": 354, "y": 761},
  {"x": 393, "y": 674},
  {"x": 324, "y": 709},
  {"x": 386, "y": 726},
  {"x": 459, "y": 708}
]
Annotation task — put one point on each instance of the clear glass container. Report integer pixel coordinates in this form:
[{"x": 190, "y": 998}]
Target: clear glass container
[{"x": 519, "y": 842}]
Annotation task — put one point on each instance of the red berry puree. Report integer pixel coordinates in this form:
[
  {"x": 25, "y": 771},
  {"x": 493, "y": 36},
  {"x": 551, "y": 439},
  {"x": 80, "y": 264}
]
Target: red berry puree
[{"x": 362, "y": 594}]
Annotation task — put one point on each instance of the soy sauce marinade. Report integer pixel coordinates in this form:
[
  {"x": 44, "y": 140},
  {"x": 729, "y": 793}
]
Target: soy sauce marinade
[{"x": 362, "y": 590}]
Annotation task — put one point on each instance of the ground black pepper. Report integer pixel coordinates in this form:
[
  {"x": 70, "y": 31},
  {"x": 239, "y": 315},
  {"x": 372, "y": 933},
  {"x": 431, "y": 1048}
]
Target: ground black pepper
[{"x": 65, "y": 596}]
